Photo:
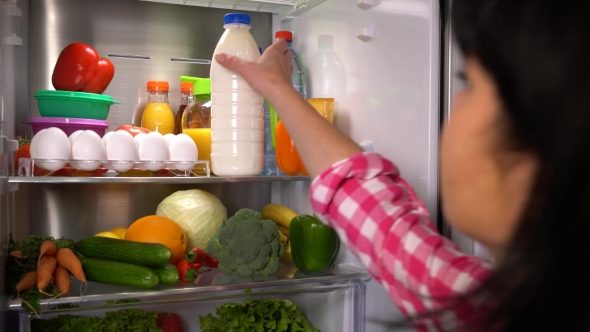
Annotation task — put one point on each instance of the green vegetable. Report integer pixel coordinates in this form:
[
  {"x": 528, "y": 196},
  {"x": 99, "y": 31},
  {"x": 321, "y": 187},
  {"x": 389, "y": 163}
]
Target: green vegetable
[
  {"x": 247, "y": 245},
  {"x": 116, "y": 321},
  {"x": 257, "y": 316},
  {"x": 148, "y": 254},
  {"x": 118, "y": 273},
  {"x": 168, "y": 274},
  {"x": 197, "y": 211},
  {"x": 314, "y": 246}
]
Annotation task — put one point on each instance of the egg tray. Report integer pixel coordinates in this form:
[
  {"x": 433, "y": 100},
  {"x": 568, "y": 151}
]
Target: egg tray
[{"x": 30, "y": 167}]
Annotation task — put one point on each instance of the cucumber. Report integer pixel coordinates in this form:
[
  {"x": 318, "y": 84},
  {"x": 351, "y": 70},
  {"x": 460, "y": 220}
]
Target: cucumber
[
  {"x": 148, "y": 254},
  {"x": 118, "y": 273},
  {"x": 168, "y": 274}
]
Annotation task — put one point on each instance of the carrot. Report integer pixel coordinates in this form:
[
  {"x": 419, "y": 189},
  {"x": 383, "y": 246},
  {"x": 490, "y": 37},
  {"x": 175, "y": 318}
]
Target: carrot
[
  {"x": 68, "y": 260},
  {"x": 45, "y": 269},
  {"x": 47, "y": 248},
  {"x": 61, "y": 279},
  {"x": 27, "y": 282}
]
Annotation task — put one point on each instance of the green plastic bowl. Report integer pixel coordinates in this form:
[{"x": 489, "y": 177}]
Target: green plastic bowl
[{"x": 69, "y": 104}]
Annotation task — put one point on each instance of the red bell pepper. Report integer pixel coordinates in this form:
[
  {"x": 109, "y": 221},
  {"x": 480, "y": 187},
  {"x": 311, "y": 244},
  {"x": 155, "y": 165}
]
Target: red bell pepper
[
  {"x": 199, "y": 256},
  {"x": 80, "y": 68},
  {"x": 188, "y": 271}
]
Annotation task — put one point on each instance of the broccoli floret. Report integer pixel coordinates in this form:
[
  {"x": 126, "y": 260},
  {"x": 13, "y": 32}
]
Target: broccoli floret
[{"x": 247, "y": 245}]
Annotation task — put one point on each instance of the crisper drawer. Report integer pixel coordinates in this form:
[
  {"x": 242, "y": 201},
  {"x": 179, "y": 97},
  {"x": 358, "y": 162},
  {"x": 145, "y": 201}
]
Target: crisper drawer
[{"x": 331, "y": 303}]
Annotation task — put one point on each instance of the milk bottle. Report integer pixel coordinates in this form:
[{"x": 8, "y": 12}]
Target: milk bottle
[{"x": 237, "y": 125}]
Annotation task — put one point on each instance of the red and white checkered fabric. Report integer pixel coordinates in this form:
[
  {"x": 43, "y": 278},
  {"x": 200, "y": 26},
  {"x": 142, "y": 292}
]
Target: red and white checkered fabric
[{"x": 378, "y": 216}]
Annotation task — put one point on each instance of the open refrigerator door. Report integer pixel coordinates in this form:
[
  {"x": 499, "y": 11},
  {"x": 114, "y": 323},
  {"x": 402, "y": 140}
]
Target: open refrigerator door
[{"x": 379, "y": 60}]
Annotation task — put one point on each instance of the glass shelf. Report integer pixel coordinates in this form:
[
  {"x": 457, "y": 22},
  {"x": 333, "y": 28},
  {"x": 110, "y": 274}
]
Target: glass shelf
[
  {"x": 28, "y": 172},
  {"x": 286, "y": 9},
  {"x": 209, "y": 285}
]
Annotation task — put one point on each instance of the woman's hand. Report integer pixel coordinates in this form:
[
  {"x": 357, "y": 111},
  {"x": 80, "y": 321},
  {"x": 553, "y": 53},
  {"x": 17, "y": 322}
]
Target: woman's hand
[{"x": 270, "y": 75}]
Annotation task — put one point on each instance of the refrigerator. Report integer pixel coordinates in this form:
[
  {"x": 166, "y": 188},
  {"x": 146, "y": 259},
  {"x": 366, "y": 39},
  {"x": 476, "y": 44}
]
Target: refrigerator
[{"x": 389, "y": 64}]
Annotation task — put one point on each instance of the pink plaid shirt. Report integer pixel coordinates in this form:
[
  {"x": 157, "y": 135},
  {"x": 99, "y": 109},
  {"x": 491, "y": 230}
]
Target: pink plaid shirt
[{"x": 380, "y": 219}]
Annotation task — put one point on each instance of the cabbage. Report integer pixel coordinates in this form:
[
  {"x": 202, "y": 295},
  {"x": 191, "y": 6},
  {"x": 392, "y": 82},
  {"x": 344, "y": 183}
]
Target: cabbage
[{"x": 198, "y": 212}]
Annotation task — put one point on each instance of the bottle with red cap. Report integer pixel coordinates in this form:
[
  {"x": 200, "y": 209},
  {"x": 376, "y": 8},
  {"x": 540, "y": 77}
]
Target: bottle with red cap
[
  {"x": 186, "y": 97},
  {"x": 298, "y": 77},
  {"x": 157, "y": 115}
]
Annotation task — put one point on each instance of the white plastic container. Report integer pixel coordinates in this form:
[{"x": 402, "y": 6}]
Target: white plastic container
[{"x": 237, "y": 124}]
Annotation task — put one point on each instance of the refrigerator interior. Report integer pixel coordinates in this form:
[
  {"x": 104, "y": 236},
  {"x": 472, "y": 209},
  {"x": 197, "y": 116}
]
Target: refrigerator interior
[{"x": 383, "y": 73}]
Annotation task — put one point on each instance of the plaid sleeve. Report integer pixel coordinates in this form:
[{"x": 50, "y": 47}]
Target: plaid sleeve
[{"x": 378, "y": 216}]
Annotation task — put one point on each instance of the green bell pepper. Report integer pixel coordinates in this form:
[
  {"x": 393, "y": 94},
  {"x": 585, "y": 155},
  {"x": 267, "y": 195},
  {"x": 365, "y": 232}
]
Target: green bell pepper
[{"x": 314, "y": 246}]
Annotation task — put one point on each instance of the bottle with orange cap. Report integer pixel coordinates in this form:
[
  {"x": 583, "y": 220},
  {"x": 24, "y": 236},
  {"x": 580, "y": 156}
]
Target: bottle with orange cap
[
  {"x": 157, "y": 115},
  {"x": 186, "y": 97}
]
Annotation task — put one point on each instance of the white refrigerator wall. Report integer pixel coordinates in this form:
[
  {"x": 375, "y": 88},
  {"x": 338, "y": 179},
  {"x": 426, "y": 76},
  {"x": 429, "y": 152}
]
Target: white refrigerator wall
[{"x": 386, "y": 86}]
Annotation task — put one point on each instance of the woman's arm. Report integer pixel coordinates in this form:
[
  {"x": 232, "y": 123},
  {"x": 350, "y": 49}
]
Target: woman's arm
[{"x": 319, "y": 143}]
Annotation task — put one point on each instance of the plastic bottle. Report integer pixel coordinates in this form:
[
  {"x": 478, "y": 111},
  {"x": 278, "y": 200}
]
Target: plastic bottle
[
  {"x": 186, "y": 97},
  {"x": 237, "y": 126},
  {"x": 298, "y": 79},
  {"x": 196, "y": 121},
  {"x": 328, "y": 75},
  {"x": 157, "y": 115}
]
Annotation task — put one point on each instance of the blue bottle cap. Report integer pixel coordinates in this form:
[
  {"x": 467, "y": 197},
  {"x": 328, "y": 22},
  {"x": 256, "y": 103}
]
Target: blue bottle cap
[{"x": 236, "y": 18}]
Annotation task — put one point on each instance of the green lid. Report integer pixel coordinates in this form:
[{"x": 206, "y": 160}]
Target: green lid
[
  {"x": 201, "y": 86},
  {"x": 60, "y": 94}
]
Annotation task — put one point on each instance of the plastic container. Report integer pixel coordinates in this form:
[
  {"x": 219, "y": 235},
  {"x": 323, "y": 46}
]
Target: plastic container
[
  {"x": 157, "y": 115},
  {"x": 186, "y": 97},
  {"x": 237, "y": 125},
  {"x": 68, "y": 125},
  {"x": 69, "y": 104},
  {"x": 196, "y": 121}
]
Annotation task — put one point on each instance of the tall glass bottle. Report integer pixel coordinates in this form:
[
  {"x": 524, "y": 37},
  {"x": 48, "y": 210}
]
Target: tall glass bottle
[
  {"x": 157, "y": 115},
  {"x": 186, "y": 97},
  {"x": 196, "y": 121}
]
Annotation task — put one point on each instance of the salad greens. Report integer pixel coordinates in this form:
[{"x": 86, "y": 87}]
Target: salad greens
[
  {"x": 257, "y": 316},
  {"x": 131, "y": 320}
]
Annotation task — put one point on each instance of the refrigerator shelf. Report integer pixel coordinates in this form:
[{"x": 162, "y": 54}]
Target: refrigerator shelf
[
  {"x": 209, "y": 285},
  {"x": 29, "y": 173},
  {"x": 286, "y": 9}
]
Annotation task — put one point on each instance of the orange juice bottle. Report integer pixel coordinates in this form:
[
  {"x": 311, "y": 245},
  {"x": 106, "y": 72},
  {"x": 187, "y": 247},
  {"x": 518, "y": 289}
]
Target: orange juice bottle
[
  {"x": 157, "y": 115},
  {"x": 196, "y": 120}
]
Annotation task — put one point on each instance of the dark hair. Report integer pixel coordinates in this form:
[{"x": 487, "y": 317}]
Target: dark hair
[{"x": 538, "y": 53}]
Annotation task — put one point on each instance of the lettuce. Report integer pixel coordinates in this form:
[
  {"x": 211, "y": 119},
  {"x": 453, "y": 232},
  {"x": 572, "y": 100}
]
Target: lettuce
[
  {"x": 198, "y": 212},
  {"x": 257, "y": 316}
]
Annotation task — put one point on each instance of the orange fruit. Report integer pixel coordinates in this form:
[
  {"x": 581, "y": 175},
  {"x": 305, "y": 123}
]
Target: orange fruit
[{"x": 158, "y": 229}]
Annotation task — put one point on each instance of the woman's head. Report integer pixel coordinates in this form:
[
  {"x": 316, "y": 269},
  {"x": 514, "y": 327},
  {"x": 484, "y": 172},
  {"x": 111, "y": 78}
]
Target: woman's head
[{"x": 516, "y": 154}]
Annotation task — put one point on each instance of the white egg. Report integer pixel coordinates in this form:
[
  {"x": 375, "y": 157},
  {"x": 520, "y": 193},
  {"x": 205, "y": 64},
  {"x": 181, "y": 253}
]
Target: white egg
[
  {"x": 169, "y": 138},
  {"x": 88, "y": 150},
  {"x": 35, "y": 141},
  {"x": 153, "y": 148},
  {"x": 184, "y": 151},
  {"x": 106, "y": 137},
  {"x": 53, "y": 144},
  {"x": 139, "y": 138},
  {"x": 74, "y": 135},
  {"x": 122, "y": 149}
]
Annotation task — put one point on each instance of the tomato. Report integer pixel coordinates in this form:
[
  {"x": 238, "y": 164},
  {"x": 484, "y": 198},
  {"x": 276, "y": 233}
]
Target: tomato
[
  {"x": 79, "y": 68},
  {"x": 24, "y": 151},
  {"x": 133, "y": 130}
]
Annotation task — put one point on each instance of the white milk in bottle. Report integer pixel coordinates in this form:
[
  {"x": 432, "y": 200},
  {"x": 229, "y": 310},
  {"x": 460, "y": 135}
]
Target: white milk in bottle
[{"x": 237, "y": 124}]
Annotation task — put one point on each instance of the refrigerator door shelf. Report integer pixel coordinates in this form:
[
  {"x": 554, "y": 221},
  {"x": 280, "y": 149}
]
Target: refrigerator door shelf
[{"x": 287, "y": 9}]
